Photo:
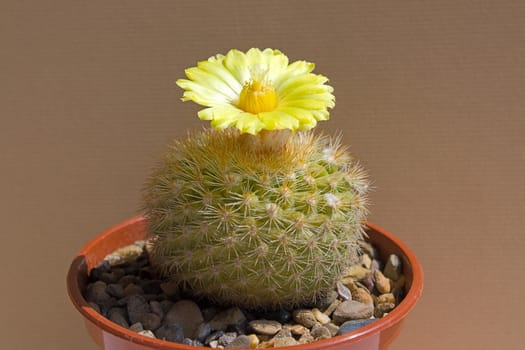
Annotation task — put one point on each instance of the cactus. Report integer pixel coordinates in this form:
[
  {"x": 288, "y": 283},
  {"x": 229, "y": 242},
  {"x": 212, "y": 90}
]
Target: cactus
[
  {"x": 256, "y": 218},
  {"x": 259, "y": 229}
]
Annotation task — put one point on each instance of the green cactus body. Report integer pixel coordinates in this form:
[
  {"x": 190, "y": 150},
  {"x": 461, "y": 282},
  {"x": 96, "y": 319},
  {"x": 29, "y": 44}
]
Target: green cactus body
[{"x": 256, "y": 227}]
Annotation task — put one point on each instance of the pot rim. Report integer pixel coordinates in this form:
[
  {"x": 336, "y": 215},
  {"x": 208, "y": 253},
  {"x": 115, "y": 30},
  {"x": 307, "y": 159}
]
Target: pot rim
[{"x": 395, "y": 316}]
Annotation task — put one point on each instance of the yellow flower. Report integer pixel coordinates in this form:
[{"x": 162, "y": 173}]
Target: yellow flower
[{"x": 258, "y": 90}]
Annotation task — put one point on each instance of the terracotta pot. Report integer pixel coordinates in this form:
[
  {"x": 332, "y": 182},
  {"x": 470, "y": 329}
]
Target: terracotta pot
[{"x": 110, "y": 336}]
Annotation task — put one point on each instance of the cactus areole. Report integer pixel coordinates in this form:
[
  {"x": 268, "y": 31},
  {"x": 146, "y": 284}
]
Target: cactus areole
[{"x": 257, "y": 211}]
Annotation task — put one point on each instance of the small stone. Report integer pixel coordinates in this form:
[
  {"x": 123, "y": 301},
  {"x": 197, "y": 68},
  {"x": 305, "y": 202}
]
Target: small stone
[
  {"x": 325, "y": 302},
  {"x": 386, "y": 298},
  {"x": 156, "y": 308},
  {"x": 366, "y": 261},
  {"x": 147, "y": 333},
  {"x": 306, "y": 338},
  {"x": 127, "y": 279},
  {"x": 381, "y": 282},
  {"x": 266, "y": 327},
  {"x": 112, "y": 277},
  {"x": 136, "y": 327},
  {"x": 231, "y": 316},
  {"x": 172, "y": 332},
  {"x": 227, "y": 338},
  {"x": 352, "y": 310},
  {"x": 242, "y": 341},
  {"x": 203, "y": 331},
  {"x": 332, "y": 307},
  {"x": 320, "y": 332},
  {"x": 150, "y": 321},
  {"x": 400, "y": 282},
  {"x": 127, "y": 254},
  {"x": 368, "y": 282},
  {"x": 137, "y": 306},
  {"x": 116, "y": 290},
  {"x": 343, "y": 291},
  {"x": 356, "y": 272},
  {"x": 368, "y": 248},
  {"x": 362, "y": 295},
  {"x": 350, "y": 326},
  {"x": 283, "y": 333},
  {"x": 393, "y": 267},
  {"x": 213, "y": 336},
  {"x": 254, "y": 341},
  {"x": 297, "y": 329},
  {"x": 376, "y": 265},
  {"x": 118, "y": 316},
  {"x": 166, "y": 305},
  {"x": 186, "y": 314},
  {"x": 96, "y": 292},
  {"x": 304, "y": 317},
  {"x": 284, "y": 341},
  {"x": 319, "y": 316},
  {"x": 382, "y": 309},
  {"x": 332, "y": 328},
  {"x": 133, "y": 289}
]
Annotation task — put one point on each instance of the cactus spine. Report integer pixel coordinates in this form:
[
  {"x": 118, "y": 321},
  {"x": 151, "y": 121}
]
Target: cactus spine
[{"x": 241, "y": 220}]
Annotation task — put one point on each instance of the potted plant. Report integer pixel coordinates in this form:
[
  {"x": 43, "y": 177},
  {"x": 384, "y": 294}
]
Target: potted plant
[{"x": 257, "y": 213}]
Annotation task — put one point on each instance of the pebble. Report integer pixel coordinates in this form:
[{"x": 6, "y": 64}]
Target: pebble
[
  {"x": 320, "y": 332},
  {"x": 350, "y": 326},
  {"x": 203, "y": 331},
  {"x": 187, "y": 314},
  {"x": 381, "y": 282},
  {"x": 242, "y": 341},
  {"x": 96, "y": 292},
  {"x": 116, "y": 290},
  {"x": 321, "y": 317},
  {"x": 393, "y": 267},
  {"x": 227, "y": 338},
  {"x": 265, "y": 327},
  {"x": 228, "y": 317},
  {"x": 352, "y": 310},
  {"x": 343, "y": 291},
  {"x": 133, "y": 289},
  {"x": 284, "y": 341},
  {"x": 137, "y": 306},
  {"x": 362, "y": 295},
  {"x": 382, "y": 309},
  {"x": 304, "y": 317},
  {"x": 150, "y": 321},
  {"x": 147, "y": 333},
  {"x": 118, "y": 316},
  {"x": 172, "y": 332}
]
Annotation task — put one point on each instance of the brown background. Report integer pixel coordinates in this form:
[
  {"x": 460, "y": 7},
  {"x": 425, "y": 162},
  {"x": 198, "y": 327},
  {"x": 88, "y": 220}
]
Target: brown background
[{"x": 430, "y": 96}]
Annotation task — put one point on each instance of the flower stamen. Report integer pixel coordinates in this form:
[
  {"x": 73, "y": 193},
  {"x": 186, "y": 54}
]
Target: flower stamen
[{"x": 257, "y": 97}]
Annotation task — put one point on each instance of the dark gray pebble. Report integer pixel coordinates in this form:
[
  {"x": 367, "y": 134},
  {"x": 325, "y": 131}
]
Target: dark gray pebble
[
  {"x": 171, "y": 332},
  {"x": 116, "y": 290},
  {"x": 118, "y": 315},
  {"x": 137, "y": 306},
  {"x": 203, "y": 331},
  {"x": 350, "y": 326},
  {"x": 96, "y": 292},
  {"x": 150, "y": 321}
]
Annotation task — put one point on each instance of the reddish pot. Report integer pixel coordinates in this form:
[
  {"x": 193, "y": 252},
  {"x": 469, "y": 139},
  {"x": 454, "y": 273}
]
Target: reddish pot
[{"x": 110, "y": 336}]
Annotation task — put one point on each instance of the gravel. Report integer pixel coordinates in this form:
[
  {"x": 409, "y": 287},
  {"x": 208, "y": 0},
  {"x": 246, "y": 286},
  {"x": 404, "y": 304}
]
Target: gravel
[{"x": 125, "y": 289}]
